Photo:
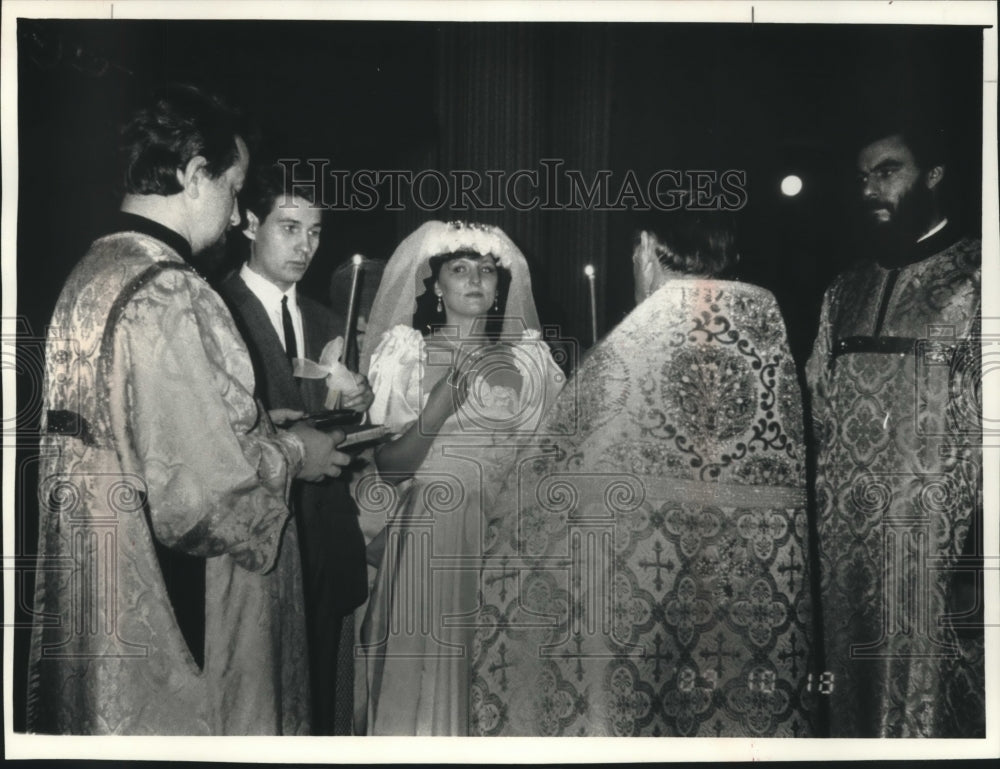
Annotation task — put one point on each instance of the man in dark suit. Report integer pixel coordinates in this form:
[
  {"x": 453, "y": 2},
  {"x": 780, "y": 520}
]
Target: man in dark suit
[{"x": 280, "y": 324}]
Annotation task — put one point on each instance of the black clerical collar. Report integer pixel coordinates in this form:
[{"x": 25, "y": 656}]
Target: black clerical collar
[
  {"x": 126, "y": 222},
  {"x": 917, "y": 252}
]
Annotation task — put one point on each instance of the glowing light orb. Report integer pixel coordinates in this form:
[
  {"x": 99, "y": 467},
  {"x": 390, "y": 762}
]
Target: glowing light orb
[{"x": 791, "y": 185}]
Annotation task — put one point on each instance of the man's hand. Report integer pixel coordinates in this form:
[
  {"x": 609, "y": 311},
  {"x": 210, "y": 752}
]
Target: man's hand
[
  {"x": 362, "y": 399},
  {"x": 285, "y": 417},
  {"x": 321, "y": 460}
]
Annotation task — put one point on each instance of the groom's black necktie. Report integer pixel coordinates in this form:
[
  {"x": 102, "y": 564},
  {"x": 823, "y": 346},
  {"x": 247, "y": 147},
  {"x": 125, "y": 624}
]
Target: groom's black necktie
[{"x": 286, "y": 321}]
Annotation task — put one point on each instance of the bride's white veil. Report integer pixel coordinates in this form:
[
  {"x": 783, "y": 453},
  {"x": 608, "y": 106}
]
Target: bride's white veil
[{"x": 404, "y": 276}]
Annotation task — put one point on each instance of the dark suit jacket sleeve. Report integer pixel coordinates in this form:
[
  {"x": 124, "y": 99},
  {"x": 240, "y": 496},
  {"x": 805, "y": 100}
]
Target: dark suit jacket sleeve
[{"x": 333, "y": 547}]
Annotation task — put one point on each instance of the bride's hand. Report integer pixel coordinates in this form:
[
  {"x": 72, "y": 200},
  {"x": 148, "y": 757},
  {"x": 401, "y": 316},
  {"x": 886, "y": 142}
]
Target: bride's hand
[{"x": 445, "y": 398}]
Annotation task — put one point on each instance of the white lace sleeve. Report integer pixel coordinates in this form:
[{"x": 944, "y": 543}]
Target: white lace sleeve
[
  {"x": 542, "y": 376},
  {"x": 394, "y": 373}
]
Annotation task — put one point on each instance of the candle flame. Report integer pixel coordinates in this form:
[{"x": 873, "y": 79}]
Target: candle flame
[
  {"x": 589, "y": 270},
  {"x": 356, "y": 260}
]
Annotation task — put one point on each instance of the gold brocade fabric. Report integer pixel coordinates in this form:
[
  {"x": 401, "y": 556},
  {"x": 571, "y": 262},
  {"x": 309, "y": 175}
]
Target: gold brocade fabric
[
  {"x": 167, "y": 446},
  {"x": 899, "y": 479},
  {"x": 645, "y": 570}
]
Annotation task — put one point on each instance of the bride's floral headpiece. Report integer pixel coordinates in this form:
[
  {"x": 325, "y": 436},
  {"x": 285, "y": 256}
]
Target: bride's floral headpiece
[{"x": 484, "y": 239}]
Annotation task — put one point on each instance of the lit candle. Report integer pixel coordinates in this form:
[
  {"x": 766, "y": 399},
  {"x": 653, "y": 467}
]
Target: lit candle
[
  {"x": 356, "y": 261},
  {"x": 589, "y": 272}
]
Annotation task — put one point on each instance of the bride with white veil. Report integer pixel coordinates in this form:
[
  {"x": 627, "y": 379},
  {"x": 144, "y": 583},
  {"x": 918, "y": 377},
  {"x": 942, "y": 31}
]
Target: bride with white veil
[{"x": 459, "y": 373}]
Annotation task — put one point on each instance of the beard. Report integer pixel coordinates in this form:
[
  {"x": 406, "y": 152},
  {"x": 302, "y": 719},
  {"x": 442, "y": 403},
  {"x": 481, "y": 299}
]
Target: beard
[{"x": 909, "y": 218}]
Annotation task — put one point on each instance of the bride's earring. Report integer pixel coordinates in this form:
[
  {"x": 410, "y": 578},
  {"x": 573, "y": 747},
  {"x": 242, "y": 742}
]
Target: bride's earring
[
  {"x": 496, "y": 301},
  {"x": 439, "y": 307}
]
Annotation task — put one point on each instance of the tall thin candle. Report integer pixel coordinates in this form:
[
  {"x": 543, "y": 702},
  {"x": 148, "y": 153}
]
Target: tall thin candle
[
  {"x": 589, "y": 272},
  {"x": 356, "y": 261}
]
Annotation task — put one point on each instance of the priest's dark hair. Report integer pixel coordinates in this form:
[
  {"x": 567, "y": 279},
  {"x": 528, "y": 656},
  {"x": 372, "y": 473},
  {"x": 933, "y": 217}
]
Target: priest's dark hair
[
  {"x": 919, "y": 122},
  {"x": 699, "y": 243},
  {"x": 180, "y": 123}
]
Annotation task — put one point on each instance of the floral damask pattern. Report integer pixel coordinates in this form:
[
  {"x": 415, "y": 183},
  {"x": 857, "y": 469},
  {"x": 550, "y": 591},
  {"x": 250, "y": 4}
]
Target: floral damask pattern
[
  {"x": 864, "y": 429},
  {"x": 657, "y": 622},
  {"x": 789, "y": 398},
  {"x": 632, "y": 699},
  {"x": 760, "y": 321},
  {"x": 726, "y": 566},
  {"x": 685, "y": 704},
  {"x": 758, "y": 699},
  {"x": 612, "y": 374},
  {"x": 759, "y": 613},
  {"x": 893, "y": 469},
  {"x": 690, "y": 525},
  {"x": 686, "y": 612},
  {"x": 762, "y": 529},
  {"x": 642, "y": 456},
  {"x": 766, "y": 471},
  {"x": 173, "y": 364},
  {"x": 556, "y": 704},
  {"x": 632, "y": 608},
  {"x": 487, "y": 711},
  {"x": 711, "y": 392},
  {"x": 633, "y": 527}
]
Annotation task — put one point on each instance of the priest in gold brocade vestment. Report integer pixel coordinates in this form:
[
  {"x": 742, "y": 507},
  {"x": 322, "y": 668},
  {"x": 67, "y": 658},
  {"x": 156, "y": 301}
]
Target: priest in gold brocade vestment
[
  {"x": 169, "y": 589},
  {"x": 646, "y": 565},
  {"x": 894, "y": 382}
]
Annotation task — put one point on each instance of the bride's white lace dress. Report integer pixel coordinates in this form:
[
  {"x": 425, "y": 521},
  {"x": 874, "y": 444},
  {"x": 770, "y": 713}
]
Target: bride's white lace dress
[{"x": 422, "y": 612}]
